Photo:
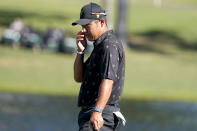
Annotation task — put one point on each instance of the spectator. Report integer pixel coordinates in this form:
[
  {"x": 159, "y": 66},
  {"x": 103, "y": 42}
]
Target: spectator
[
  {"x": 30, "y": 38},
  {"x": 17, "y": 25},
  {"x": 53, "y": 39},
  {"x": 13, "y": 34}
]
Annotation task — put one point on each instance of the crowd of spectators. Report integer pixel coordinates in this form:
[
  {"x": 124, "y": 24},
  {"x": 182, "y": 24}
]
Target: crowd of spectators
[{"x": 21, "y": 35}]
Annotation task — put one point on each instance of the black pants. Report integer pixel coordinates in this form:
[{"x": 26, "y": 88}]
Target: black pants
[{"x": 111, "y": 122}]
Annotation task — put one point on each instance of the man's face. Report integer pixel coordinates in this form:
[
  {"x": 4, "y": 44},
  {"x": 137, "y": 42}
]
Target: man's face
[{"x": 92, "y": 30}]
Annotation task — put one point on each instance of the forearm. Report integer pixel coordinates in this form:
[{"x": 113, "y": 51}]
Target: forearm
[
  {"x": 78, "y": 68},
  {"x": 104, "y": 93}
]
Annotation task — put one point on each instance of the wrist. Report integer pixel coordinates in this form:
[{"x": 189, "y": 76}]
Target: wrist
[
  {"x": 80, "y": 52},
  {"x": 96, "y": 109},
  {"x": 96, "y": 113}
]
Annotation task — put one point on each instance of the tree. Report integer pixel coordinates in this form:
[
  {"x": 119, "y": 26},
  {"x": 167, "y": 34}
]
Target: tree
[
  {"x": 108, "y": 5},
  {"x": 122, "y": 21}
]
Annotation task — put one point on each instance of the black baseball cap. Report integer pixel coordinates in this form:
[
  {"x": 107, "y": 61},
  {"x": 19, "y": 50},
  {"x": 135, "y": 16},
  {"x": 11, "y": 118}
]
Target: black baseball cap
[{"x": 89, "y": 13}]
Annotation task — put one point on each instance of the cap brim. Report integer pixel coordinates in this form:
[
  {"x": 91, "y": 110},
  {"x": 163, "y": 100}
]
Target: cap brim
[{"x": 82, "y": 22}]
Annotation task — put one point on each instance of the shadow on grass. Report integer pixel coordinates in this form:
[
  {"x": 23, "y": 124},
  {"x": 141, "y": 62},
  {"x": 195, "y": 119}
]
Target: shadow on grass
[
  {"x": 157, "y": 38},
  {"x": 35, "y": 112},
  {"x": 7, "y": 16}
]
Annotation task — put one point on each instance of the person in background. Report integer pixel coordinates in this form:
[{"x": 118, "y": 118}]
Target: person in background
[
  {"x": 12, "y": 35},
  {"x": 17, "y": 25}
]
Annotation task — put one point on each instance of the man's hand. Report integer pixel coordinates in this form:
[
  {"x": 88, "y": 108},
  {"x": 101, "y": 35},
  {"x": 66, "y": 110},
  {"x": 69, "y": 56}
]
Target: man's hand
[
  {"x": 96, "y": 120},
  {"x": 81, "y": 41}
]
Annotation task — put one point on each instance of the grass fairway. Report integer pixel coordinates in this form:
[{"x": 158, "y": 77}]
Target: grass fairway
[
  {"x": 161, "y": 77},
  {"x": 149, "y": 76},
  {"x": 181, "y": 22},
  {"x": 40, "y": 72},
  {"x": 143, "y": 16}
]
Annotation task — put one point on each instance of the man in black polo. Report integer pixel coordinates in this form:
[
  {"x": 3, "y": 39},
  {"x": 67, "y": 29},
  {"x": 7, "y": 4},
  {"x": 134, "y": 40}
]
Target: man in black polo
[{"x": 102, "y": 74}]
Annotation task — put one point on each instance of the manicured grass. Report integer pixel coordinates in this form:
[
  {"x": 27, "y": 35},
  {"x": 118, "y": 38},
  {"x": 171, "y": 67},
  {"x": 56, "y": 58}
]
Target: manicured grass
[
  {"x": 42, "y": 14},
  {"x": 149, "y": 76},
  {"x": 164, "y": 77},
  {"x": 188, "y": 2},
  {"x": 143, "y": 16},
  {"x": 40, "y": 72}
]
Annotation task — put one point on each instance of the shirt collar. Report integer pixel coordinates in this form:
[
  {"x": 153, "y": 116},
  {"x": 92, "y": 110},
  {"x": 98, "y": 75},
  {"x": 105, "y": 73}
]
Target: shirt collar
[{"x": 102, "y": 37}]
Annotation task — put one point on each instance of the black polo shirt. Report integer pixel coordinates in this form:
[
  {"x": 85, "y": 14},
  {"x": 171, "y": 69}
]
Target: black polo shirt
[{"x": 107, "y": 61}]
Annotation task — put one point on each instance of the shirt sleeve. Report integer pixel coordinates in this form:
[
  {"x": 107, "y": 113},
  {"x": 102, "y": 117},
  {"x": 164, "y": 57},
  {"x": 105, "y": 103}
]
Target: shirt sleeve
[{"x": 109, "y": 63}]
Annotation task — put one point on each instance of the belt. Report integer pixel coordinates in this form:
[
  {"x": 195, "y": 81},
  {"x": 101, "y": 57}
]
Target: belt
[
  {"x": 86, "y": 107},
  {"x": 90, "y": 107}
]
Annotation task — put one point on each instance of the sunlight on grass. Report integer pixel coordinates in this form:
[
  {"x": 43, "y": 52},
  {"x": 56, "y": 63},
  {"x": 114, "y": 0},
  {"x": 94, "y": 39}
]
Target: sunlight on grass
[{"x": 148, "y": 75}]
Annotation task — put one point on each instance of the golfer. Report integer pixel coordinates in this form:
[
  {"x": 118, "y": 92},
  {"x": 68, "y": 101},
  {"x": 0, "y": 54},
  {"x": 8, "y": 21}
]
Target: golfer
[{"x": 101, "y": 75}]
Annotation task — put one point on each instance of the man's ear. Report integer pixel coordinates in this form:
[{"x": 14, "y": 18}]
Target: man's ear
[{"x": 102, "y": 21}]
